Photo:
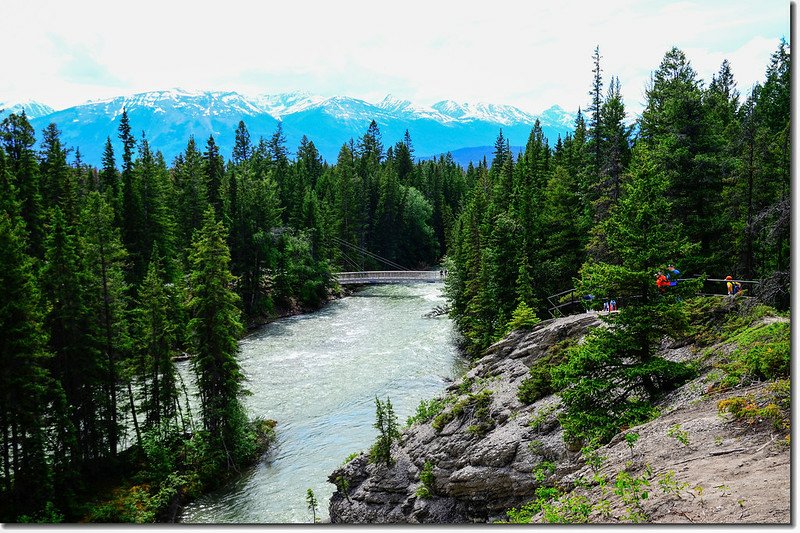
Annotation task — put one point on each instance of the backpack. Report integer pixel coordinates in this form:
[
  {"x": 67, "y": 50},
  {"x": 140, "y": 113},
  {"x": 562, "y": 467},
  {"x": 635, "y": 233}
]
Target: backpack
[{"x": 736, "y": 287}]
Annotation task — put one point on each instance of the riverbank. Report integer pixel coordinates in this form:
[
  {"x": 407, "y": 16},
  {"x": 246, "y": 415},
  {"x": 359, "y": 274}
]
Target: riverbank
[
  {"x": 144, "y": 493},
  {"x": 318, "y": 374},
  {"x": 718, "y": 452}
]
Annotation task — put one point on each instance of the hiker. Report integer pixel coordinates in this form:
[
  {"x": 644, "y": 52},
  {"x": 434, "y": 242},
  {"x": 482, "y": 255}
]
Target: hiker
[
  {"x": 672, "y": 275},
  {"x": 733, "y": 286},
  {"x": 612, "y": 305},
  {"x": 661, "y": 281}
]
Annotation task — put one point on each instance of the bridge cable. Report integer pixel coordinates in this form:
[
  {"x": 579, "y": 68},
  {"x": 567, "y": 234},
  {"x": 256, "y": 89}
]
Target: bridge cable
[
  {"x": 368, "y": 253},
  {"x": 372, "y": 255}
]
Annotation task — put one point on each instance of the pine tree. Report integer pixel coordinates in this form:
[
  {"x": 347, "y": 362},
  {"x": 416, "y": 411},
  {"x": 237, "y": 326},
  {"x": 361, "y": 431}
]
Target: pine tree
[
  {"x": 25, "y": 476},
  {"x": 58, "y": 179},
  {"x": 594, "y": 111},
  {"x": 18, "y": 139},
  {"x": 214, "y": 166},
  {"x": 155, "y": 337},
  {"x": 104, "y": 261},
  {"x": 388, "y": 432},
  {"x": 215, "y": 326},
  {"x": 191, "y": 196},
  {"x": 243, "y": 148},
  {"x": 77, "y": 363},
  {"x": 612, "y": 379}
]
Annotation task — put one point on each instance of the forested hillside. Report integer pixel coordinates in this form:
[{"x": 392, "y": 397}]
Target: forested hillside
[
  {"x": 704, "y": 184},
  {"x": 110, "y": 273},
  {"x": 107, "y": 274}
]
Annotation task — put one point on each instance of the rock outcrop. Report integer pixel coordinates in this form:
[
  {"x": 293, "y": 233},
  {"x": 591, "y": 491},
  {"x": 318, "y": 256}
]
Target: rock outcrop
[
  {"x": 482, "y": 461},
  {"x": 489, "y": 452}
]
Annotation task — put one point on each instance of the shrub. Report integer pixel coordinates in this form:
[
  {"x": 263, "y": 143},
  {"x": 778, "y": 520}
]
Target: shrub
[
  {"x": 426, "y": 411},
  {"x": 523, "y": 317},
  {"x": 478, "y": 401},
  {"x": 427, "y": 478},
  {"x": 763, "y": 353},
  {"x": 539, "y": 383}
]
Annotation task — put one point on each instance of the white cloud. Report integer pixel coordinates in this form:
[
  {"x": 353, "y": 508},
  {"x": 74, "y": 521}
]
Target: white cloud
[{"x": 527, "y": 54}]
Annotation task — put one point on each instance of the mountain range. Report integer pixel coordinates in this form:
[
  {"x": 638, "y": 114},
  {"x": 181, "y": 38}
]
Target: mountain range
[{"x": 169, "y": 117}]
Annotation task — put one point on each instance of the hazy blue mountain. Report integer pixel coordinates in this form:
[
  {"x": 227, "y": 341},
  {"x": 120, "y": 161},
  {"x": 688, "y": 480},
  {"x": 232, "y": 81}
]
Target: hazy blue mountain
[
  {"x": 474, "y": 154},
  {"x": 32, "y": 109},
  {"x": 170, "y": 117}
]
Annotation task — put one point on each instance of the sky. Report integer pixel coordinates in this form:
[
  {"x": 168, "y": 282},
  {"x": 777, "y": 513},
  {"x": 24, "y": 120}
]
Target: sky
[{"x": 530, "y": 54}]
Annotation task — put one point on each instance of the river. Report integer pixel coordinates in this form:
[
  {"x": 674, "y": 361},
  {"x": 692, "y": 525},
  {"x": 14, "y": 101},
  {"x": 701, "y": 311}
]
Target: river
[{"x": 318, "y": 376}]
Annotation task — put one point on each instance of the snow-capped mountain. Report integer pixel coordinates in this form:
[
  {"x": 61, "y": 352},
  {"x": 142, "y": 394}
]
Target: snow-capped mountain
[
  {"x": 279, "y": 105},
  {"x": 499, "y": 114},
  {"x": 32, "y": 109},
  {"x": 169, "y": 117}
]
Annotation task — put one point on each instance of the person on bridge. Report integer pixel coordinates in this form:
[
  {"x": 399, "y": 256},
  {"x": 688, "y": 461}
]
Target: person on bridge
[
  {"x": 733, "y": 286},
  {"x": 672, "y": 275}
]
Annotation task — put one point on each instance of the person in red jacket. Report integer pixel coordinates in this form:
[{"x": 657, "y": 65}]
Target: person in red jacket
[{"x": 661, "y": 281}]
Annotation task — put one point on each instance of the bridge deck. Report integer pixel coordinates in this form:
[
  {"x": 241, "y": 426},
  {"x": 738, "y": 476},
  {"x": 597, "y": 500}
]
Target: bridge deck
[{"x": 389, "y": 276}]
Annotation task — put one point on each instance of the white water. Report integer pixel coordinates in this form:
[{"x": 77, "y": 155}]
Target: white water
[{"x": 318, "y": 376}]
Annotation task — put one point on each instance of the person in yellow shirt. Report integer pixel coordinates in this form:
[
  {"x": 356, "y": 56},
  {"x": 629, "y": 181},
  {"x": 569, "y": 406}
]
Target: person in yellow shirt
[{"x": 733, "y": 286}]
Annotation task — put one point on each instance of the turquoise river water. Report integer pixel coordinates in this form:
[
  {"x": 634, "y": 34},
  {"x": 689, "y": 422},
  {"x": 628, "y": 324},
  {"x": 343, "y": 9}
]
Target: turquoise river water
[{"x": 318, "y": 376}]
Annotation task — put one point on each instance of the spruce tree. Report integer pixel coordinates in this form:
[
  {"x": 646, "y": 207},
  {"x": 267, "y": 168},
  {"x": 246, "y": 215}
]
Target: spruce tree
[
  {"x": 25, "y": 475},
  {"x": 612, "y": 379},
  {"x": 243, "y": 148},
  {"x": 214, "y": 167},
  {"x": 215, "y": 326},
  {"x": 155, "y": 338},
  {"x": 18, "y": 139},
  {"x": 104, "y": 261}
]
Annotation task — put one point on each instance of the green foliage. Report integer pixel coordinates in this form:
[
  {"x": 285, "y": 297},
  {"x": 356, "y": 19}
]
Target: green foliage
[
  {"x": 632, "y": 491},
  {"x": 678, "y": 434},
  {"x": 478, "y": 402},
  {"x": 214, "y": 328},
  {"x": 351, "y": 457},
  {"x": 427, "y": 479},
  {"x": 631, "y": 438},
  {"x": 592, "y": 456},
  {"x": 543, "y": 470},
  {"x": 774, "y": 407},
  {"x": 540, "y": 382},
  {"x": 388, "y": 432},
  {"x": 762, "y": 353},
  {"x": 313, "y": 505},
  {"x": 426, "y": 410},
  {"x": 522, "y": 317},
  {"x": 670, "y": 485},
  {"x": 343, "y": 486},
  {"x": 536, "y": 447},
  {"x": 542, "y": 417}
]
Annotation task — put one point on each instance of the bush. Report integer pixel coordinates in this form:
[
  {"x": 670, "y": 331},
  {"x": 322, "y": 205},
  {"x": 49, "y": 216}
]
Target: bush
[
  {"x": 539, "y": 383},
  {"x": 427, "y": 479},
  {"x": 426, "y": 411},
  {"x": 763, "y": 353},
  {"x": 523, "y": 317},
  {"x": 479, "y": 402}
]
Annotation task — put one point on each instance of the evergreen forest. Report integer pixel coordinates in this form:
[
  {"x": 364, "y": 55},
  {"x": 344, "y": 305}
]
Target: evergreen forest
[{"x": 109, "y": 274}]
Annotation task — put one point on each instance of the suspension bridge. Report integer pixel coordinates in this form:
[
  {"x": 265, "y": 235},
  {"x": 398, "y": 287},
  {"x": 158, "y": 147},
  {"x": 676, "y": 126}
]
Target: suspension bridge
[{"x": 397, "y": 274}]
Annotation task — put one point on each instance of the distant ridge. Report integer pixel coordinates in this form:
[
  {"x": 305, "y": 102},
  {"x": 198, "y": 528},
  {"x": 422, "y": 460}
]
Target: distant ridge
[
  {"x": 473, "y": 154},
  {"x": 170, "y": 117}
]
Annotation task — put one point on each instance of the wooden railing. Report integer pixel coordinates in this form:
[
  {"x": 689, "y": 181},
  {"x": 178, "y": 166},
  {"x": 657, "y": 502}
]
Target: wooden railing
[{"x": 570, "y": 302}]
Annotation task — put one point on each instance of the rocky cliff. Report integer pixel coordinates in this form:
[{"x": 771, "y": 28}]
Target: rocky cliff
[{"x": 487, "y": 452}]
